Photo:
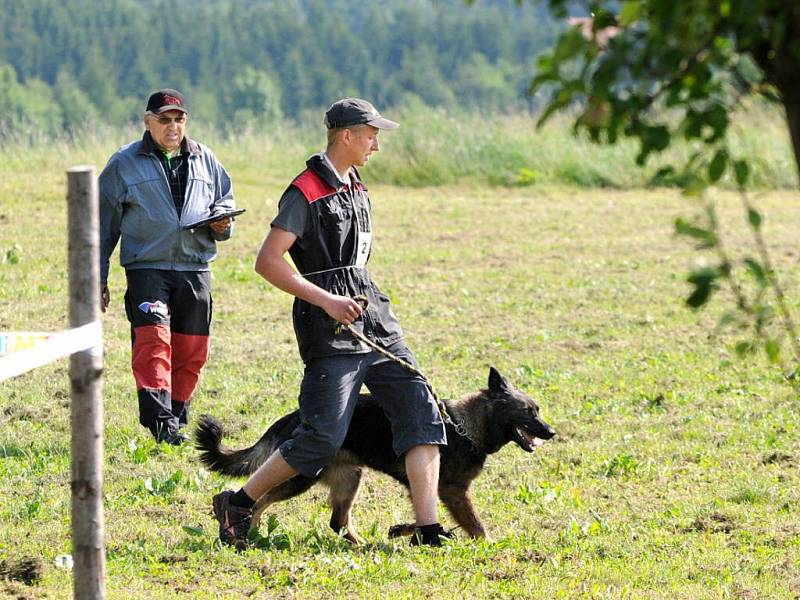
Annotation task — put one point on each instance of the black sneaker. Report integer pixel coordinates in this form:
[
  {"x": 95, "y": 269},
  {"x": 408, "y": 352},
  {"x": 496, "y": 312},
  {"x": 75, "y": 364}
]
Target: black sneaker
[
  {"x": 173, "y": 437},
  {"x": 234, "y": 521},
  {"x": 430, "y": 535}
]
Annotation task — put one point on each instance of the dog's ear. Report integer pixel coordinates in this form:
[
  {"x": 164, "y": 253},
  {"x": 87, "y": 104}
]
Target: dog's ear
[{"x": 497, "y": 383}]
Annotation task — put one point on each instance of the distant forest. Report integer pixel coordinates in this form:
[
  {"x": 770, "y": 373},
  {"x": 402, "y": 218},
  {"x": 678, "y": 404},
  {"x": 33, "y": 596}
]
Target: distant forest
[{"x": 64, "y": 63}]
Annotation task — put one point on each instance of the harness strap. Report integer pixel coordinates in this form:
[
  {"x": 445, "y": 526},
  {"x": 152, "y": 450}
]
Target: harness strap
[{"x": 334, "y": 269}]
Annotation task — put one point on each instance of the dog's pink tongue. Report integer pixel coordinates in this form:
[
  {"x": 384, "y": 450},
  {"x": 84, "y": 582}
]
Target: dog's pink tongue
[
  {"x": 529, "y": 439},
  {"x": 537, "y": 442}
]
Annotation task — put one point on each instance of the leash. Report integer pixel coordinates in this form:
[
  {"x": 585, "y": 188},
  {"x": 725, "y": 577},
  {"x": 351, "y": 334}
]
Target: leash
[{"x": 446, "y": 418}]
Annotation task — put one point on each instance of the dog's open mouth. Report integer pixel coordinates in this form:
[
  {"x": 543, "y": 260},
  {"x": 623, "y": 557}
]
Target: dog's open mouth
[{"x": 525, "y": 440}]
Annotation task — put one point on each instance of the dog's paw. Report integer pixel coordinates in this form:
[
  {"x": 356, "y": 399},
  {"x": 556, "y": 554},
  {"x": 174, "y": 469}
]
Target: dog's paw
[
  {"x": 401, "y": 530},
  {"x": 354, "y": 538}
]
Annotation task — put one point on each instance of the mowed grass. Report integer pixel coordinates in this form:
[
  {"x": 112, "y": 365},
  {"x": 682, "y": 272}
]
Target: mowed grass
[{"x": 673, "y": 475}]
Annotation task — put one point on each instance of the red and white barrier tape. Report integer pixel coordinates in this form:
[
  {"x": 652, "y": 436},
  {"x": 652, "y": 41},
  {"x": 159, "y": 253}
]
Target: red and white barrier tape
[{"x": 22, "y": 351}]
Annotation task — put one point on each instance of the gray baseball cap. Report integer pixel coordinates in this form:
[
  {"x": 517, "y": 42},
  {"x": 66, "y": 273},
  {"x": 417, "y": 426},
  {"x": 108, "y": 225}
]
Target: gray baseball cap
[{"x": 355, "y": 111}]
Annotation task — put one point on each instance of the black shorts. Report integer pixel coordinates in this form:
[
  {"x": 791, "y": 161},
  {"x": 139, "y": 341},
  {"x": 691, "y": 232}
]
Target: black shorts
[{"x": 328, "y": 397}]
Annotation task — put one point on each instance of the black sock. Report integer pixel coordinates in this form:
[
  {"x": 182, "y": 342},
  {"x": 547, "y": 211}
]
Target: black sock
[
  {"x": 242, "y": 500},
  {"x": 430, "y": 531}
]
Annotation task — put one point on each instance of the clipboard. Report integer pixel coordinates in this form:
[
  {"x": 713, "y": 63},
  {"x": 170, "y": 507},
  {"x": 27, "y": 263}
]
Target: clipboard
[{"x": 214, "y": 218}]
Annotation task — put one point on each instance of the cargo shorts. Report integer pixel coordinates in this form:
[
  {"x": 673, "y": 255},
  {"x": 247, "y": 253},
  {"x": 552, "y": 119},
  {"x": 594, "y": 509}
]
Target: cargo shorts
[{"x": 328, "y": 397}]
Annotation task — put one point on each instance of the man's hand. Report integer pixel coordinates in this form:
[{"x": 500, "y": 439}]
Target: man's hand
[
  {"x": 342, "y": 309},
  {"x": 105, "y": 297},
  {"x": 221, "y": 226}
]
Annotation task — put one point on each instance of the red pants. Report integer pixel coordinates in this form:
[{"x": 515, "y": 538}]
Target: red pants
[{"x": 170, "y": 316}]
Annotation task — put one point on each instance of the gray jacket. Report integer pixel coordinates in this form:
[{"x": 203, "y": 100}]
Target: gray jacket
[{"x": 135, "y": 203}]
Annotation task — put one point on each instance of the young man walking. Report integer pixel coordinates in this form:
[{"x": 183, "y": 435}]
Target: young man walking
[{"x": 324, "y": 222}]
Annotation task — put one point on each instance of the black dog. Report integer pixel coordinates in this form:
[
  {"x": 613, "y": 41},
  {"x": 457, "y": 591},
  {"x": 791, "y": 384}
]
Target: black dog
[{"x": 492, "y": 418}]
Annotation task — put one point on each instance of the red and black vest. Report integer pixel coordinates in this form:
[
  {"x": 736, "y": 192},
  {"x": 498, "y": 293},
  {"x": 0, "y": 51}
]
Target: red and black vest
[{"x": 333, "y": 254}]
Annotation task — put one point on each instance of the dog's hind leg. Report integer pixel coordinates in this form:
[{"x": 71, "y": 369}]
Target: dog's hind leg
[
  {"x": 288, "y": 489},
  {"x": 458, "y": 502},
  {"x": 344, "y": 481}
]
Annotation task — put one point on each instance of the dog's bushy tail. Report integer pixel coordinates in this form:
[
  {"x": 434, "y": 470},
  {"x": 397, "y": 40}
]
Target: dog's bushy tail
[{"x": 236, "y": 463}]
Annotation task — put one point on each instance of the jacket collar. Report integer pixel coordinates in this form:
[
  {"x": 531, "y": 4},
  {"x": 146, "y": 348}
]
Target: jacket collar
[
  {"x": 147, "y": 145},
  {"x": 320, "y": 166}
]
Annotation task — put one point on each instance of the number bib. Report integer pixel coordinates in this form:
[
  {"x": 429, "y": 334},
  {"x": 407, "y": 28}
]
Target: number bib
[{"x": 364, "y": 242}]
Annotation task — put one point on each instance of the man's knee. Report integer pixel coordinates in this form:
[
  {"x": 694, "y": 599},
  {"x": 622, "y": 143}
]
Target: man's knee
[
  {"x": 310, "y": 452},
  {"x": 429, "y": 451}
]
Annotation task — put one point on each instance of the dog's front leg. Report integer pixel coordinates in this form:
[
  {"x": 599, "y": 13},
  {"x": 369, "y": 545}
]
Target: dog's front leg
[
  {"x": 344, "y": 482},
  {"x": 458, "y": 502}
]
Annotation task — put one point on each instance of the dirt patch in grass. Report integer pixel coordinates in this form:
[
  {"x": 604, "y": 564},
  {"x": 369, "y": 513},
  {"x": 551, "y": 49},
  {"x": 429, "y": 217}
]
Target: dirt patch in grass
[
  {"x": 27, "y": 569},
  {"x": 714, "y": 523}
]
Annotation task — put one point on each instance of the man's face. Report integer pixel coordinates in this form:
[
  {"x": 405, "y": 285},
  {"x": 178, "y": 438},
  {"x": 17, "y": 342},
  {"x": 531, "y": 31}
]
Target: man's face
[
  {"x": 167, "y": 129},
  {"x": 364, "y": 141}
]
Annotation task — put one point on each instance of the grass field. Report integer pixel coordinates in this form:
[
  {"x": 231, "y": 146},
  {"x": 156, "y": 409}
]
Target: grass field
[{"x": 674, "y": 474}]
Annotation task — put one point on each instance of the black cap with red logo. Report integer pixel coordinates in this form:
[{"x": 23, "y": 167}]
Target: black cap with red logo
[{"x": 166, "y": 99}]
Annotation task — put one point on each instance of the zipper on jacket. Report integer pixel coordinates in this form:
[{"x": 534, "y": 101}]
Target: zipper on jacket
[{"x": 175, "y": 249}]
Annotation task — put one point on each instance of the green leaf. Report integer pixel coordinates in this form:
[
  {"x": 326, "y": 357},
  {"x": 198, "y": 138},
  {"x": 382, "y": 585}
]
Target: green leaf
[
  {"x": 703, "y": 274},
  {"x": 716, "y": 118},
  {"x": 692, "y": 124},
  {"x": 717, "y": 166},
  {"x": 558, "y": 103},
  {"x": 699, "y": 296},
  {"x": 630, "y": 12},
  {"x": 569, "y": 45},
  {"x": 703, "y": 281},
  {"x": 694, "y": 187},
  {"x": 546, "y": 71},
  {"x": 754, "y": 217},
  {"x": 272, "y": 524},
  {"x": 603, "y": 18},
  {"x": 742, "y": 170},
  {"x": 654, "y": 138},
  {"x": 706, "y": 237},
  {"x": 755, "y": 268},
  {"x": 743, "y": 348}
]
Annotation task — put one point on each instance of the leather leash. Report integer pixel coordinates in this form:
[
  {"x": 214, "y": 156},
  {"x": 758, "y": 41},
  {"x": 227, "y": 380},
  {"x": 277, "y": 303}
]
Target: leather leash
[{"x": 446, "y": 418}]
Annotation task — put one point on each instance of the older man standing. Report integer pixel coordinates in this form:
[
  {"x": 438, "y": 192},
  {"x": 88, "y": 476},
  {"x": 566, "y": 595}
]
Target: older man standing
[{"x": 149, "y": 191}]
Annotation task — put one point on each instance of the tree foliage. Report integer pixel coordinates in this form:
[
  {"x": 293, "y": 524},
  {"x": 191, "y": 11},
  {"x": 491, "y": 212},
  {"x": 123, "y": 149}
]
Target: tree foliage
[{"x": 658, "y": 70}]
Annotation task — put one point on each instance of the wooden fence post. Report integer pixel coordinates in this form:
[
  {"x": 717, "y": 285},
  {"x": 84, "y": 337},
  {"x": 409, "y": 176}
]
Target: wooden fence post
[{"x": 85, "y": 374}]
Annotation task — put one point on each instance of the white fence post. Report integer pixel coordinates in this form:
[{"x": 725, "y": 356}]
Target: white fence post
[{"x": 85, "y": 374}]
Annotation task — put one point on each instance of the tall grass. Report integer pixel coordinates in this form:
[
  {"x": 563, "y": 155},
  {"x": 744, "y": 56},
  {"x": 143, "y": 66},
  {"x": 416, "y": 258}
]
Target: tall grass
[{"x": 436, "y": 147}]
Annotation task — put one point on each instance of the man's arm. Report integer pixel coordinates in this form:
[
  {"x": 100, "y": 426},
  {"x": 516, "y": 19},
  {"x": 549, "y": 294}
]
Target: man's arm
[
  {"x": 110, "y": 188},
  {"x": 273, "y": 267},
  {"x": 222, "y": 230}
]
